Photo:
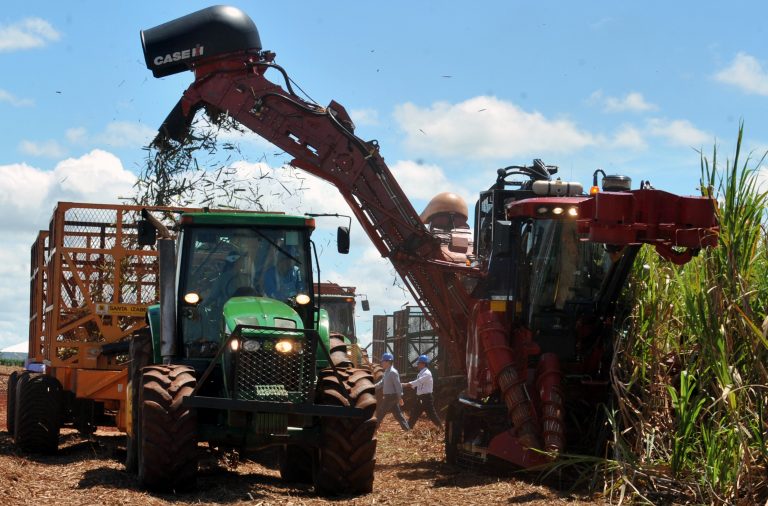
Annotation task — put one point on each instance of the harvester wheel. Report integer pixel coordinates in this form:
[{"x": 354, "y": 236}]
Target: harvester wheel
[
  {"x": 454, "y": 426},
  {"x": 347, "y": 452},
  {"x": 10, "y": 411},
  {"x": 296, "y": 463},
  {"x": 168, "y": 455},
  {"x": 140, "y": 356},
  {"x": 38, "y": 413}
]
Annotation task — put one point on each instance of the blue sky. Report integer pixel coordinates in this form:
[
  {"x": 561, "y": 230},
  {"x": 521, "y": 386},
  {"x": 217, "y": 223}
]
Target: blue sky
[{"x": 452, "y": 91}]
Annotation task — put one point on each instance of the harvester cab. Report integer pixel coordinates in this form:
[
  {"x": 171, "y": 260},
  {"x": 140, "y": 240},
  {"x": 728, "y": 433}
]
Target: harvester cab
[
  {"x": 242, "y": 357},
  {"x": 539, "y": 267}
]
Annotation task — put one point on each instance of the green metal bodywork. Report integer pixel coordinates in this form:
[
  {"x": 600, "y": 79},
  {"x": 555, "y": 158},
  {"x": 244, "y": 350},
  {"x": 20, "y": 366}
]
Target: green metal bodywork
[
  {"x": 247, "y": 218},
  {"x": 242, "y": 308},
  {"x": 240, "y": 428}
]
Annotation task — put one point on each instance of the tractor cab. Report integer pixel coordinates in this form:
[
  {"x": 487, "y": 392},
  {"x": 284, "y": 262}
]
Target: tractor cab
[{"x": 242, "y": 274}]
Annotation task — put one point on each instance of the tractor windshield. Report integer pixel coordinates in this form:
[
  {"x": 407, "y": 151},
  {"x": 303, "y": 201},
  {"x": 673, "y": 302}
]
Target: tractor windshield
[
  {"x": 341, "y": 315},
  {"x": 224, "y": 262}
]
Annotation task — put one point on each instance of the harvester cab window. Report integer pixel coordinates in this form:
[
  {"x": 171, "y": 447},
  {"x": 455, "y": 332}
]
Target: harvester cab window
[{"x": 566, "y": 273}]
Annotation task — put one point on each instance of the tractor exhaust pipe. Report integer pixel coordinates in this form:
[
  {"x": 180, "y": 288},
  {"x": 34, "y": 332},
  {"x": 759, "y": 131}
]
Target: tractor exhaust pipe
[{"x": 166, "y": 249}]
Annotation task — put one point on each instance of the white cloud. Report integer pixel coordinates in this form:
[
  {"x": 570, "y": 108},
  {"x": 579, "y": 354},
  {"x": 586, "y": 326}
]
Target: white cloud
[
  {"x": 27, "y": 198},
  {"x": 28, "y": 194},
  {"x": 424, "y": 181},
  {"x": 678, "y": 132},
  {"x": 629, "y": 137},
  {"x": 486, "y": 127},
  {"x": 47, "y": 149},
  {"x": 8, "y": 97},
  {"x": 369, "y": 117},
  {"x": 117, "y": 134},
  {"x": 76, "y": 135},
  {"x": 746, "y": 73},
  {"x": 27, "y": 34},
  {"x": 631, "y": 102}
]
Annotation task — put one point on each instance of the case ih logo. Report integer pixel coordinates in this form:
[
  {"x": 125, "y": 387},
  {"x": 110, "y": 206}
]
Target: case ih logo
[{"x": 179, "y": 55}]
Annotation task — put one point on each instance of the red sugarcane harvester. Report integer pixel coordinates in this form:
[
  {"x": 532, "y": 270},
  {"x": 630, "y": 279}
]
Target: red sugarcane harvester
[{"x": 527, "y": 314}]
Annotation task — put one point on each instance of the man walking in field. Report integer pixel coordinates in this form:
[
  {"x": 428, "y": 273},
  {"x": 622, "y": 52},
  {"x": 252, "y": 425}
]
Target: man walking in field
[
  {"x": 425, "y": 401},
  {"x": 393, "y": 393}
]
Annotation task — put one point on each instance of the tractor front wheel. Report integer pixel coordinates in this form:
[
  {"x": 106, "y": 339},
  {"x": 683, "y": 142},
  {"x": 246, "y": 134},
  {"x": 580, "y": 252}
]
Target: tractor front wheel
[
  {"x": 167, "y": 436},
  {"x": 37, "y": 413},
  {"x": 347, "y": 450}
]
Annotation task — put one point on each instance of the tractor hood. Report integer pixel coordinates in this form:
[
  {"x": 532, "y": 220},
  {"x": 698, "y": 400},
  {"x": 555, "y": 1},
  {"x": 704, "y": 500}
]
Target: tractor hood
[
  {"x": 174, "y": 46},
  {"x": 260, "y": 311}
]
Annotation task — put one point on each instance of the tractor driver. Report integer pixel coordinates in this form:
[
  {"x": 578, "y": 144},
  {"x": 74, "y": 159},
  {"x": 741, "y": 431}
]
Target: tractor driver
[{"x": 283, "y": 279}]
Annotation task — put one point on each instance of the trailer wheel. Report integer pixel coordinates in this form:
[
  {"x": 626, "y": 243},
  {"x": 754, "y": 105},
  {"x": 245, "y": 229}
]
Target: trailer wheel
[
  {"x": 140, "y": 356},
  {"x": 347, "y": 450},
  {"x": 454, "y": 427},
  {"x": 167, "y": 438},
  {"x": 296, "y": 463},
  {"x": 10, "y": 411},
  {"x": 38, "y": 413}
]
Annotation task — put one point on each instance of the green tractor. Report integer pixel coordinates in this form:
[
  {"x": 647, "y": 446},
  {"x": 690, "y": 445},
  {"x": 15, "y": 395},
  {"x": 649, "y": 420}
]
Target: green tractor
[{"x": 238, "y": 355}]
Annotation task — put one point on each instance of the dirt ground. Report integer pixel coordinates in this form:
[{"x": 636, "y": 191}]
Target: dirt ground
[{"x": 409, "y": 470}]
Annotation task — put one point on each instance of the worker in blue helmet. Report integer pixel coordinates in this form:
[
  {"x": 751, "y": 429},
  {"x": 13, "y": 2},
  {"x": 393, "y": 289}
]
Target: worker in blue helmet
[
  {"x": 423, "y": 385},
  {"x": 392, "y": 391}
]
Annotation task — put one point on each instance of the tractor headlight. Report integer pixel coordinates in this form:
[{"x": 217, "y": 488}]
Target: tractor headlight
[
  {"x": 192, "y": 298},
  {"x": 284, "y": 346},
  {"x": 302, "y": 299},
  {"x": 234, "y": 344}
]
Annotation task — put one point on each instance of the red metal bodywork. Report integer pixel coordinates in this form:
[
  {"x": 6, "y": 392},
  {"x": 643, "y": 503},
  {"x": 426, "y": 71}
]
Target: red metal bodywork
[{"x": 323, "y": 143}]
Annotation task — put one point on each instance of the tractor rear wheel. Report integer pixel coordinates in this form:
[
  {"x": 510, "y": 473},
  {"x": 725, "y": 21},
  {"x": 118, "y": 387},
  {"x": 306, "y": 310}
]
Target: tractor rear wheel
[
  {"x": 140, "y": 356},
  {"x": 10, "y": 411},
  {"x": 296, "y": 463},
  {"x": 167, "y": 437},
  {"x": 37, "y": 413},
  {"x": 347, "y": 451}
]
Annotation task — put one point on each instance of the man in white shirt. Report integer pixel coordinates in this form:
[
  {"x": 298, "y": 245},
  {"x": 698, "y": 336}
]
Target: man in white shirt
[
  {"x": 392, "y": 391},
  {"x": 423, "y": 385}
]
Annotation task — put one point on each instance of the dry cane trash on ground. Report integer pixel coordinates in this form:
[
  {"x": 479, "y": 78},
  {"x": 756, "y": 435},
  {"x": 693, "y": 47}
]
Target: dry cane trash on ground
[{"x": 409, "y": 470}]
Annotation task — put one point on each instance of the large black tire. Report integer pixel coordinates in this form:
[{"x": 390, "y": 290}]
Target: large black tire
[
  {"x": 338, "y": 351},
  {"x": 296, "y": 463},
  {"x": 10, "y": 411},
  {"x": 38, "y": 413},
  {"x": 140, "y": 356},
  {"x": 168, "y": 454},
  {"x": 454, "y": 427},
  {"x": 347, "y": 452},
  {"x": 377, "y": 371}
]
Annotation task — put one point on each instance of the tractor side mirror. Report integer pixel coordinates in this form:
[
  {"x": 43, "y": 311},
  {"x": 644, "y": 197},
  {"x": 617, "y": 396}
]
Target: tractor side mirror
[
  {"x": 342, "y": 240},
  {"x": 366, "y": 305},
  {"x": 147, "y": 233}
]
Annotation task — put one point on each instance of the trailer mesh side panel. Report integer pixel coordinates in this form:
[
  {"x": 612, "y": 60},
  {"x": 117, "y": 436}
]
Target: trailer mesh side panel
[{"x": 90, "y": 283}]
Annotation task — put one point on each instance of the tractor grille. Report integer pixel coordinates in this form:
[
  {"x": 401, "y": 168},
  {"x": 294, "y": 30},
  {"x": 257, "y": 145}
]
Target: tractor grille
[{"x": 269, "y": 375}]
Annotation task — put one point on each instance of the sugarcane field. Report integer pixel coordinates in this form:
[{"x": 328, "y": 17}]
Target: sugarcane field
[{"x": 526, "y": 262}]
